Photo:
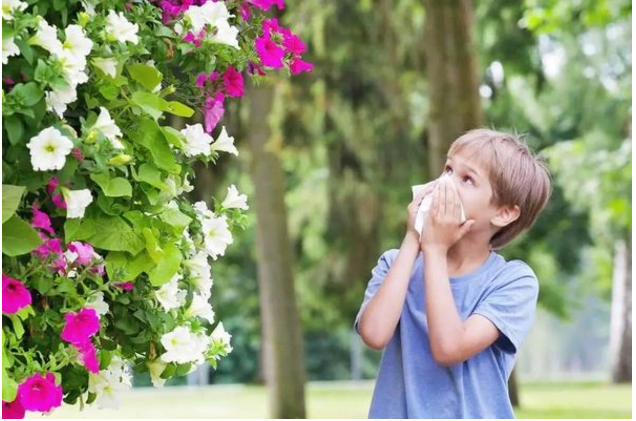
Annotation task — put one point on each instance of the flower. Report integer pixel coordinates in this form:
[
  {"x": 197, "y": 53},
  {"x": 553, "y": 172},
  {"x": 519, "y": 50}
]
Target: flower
[
  {"x": 126, "y": 286},
  {"x": 110, "y": 384},
  {"x": 73, "y": 67},
  {"x": 217, "y": 236},
  {"x": 233, "y": 81},
  {"x": 213, "y": 110},
  {"x": 76, "y": 202},
  {"x": 234, "y": 199},
  {"x": 219, "y": 335},
  {"x": 97, "y": 303},
  {"x": 118, "y": 28},
  {"x": 15, "y": 296},
  {"x": 13, "y": 410},
  {"x": 180, "y": 345},
  {"x": 49, "y": 149},
  {"x": 200, "y": 275},
  {"x": 58, "y": 200},
  {"x": 46, "y": 37},
  {"x": 41, "y": 220},
  {"x": 80, "y": 326},
  {"x": 39, "y": 393},
  {"x": 106, "y": 65},
  {"x": 269, "y": 52},
  {"x": 88, "y": 355},
  {"x": 77, "y": 43},
  {"x": 9, "y": 48},
  {"x": 58, "y": 98},
  {"x": 8, "y": 8},
  {"x": 169, "y": 295},
  {"x": 200, "y": 307},
  {"x": 266, "y": 4},
  {"x": 106, "y": 126},
  {"x": 297, "y": 66},
  {"x": 156, "y": 367},
  {"x": 85, "y": 252},
  {"x": 224, "y": 143},
  {"x": 210, "y": 13},
  {"x": 225, "y": 34},
  {"x": 50, "y": 246},
  {"x": 197, "y": 142}
]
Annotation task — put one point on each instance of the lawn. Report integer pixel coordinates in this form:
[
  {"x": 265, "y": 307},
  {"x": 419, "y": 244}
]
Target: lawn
[{"x": 349, "y": 400}]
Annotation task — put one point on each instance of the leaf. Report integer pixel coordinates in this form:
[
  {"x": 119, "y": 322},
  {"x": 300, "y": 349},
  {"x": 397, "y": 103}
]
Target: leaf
[
  {"x": 9, "y": 386},
  {"x": 152, "y": 246},
  {"x": 131, "y": 266},
  {"x": 148, "y": 102},
  {"x": 18, "y": 329},
  {"x": 147, "y": 75},
  {"x": 149, "y": 135},
  {"x": 173, "y": 136},
  {"x": 18, "y": 237},
  {"x": 109, "y": 233},
  {"x": 175, "y": 218},
  {"x": 167, "y": 267},
  {"x": 27, "y": 94},
  {"x": 177, "y": 108},
  {"x": 150, "y": 175},
  {"x": 15, "y": 129},
  {"x": 11, "y": 196},
  {"x": 112, "y": 187}
]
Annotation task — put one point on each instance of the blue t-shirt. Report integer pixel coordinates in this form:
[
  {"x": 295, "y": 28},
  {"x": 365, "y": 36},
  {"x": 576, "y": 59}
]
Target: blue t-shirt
[{"x": 410, "y": 384}]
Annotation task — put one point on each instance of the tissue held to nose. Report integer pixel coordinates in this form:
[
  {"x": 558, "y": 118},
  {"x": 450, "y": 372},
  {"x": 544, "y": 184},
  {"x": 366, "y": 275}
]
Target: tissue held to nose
[{"x": 426, "y": 205}]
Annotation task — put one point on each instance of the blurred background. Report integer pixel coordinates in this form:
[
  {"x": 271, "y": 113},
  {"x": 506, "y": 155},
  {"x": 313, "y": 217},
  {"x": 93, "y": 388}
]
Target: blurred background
[{"x": 327, "y": 160}]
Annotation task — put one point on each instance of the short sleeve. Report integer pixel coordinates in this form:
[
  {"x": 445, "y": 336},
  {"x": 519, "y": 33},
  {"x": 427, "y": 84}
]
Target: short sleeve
[
  {"x": 512, "y": 306},
  {"x": 377, "y": 277}
]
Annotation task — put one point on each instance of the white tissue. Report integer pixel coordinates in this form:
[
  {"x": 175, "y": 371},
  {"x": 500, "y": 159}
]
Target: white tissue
[{"x": 426, "y": 205}]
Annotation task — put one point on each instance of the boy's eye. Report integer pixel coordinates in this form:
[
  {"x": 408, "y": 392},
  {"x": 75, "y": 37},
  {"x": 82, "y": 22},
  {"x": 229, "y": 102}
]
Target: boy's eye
[{"x": 466, "y": 179}]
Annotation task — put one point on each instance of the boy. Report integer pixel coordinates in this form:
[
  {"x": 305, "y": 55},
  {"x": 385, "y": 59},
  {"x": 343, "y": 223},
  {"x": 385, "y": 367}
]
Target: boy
[{"x": 449, "y": 312}]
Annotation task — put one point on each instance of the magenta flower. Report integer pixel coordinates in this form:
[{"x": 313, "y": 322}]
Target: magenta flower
[
  {"x": 213, "y": 110},
  {"x": 12, "y": 410},
  {"x": 255, "y": 68},
  {"x": 99, "y": 269},
  {"x": 39, "y": 393},
  {"x": 292, "y": 43},
  {"x": 42, "y": 221},
  {"x": 297, "y": 66},
  {"x": 80, "y": 326},
  {"x": 89, "y": 356},
  {"x": 58, "y": 200},
  {"x": 78, "y": 155},
  {"x": 269, "y": 52},
  {"x": 85, "y": 252},
  {"x": 126, "y": 286},
  {"x": 15, "y": 296},
  {"x": 266, "y": 4},
  {"x": 233, "y": 81},
  {"x": 201, "y": 79},
  {"x": 50, "y": 246}
]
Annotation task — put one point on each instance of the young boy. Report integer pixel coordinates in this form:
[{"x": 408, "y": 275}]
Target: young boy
[{"x": 449, "y": 312}]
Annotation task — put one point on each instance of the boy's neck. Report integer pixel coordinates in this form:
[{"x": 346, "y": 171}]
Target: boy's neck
[{"x": 466, "y": 256}]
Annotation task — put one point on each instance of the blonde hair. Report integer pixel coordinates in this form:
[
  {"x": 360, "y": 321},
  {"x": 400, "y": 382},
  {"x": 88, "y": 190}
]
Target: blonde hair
[{"x": 516, "y": 174}]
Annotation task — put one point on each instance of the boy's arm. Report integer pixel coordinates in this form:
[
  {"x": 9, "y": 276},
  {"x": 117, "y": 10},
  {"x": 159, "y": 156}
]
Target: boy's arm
[
  {"x": 381, "y": 316},
  {"x": 452, "y": 340}
]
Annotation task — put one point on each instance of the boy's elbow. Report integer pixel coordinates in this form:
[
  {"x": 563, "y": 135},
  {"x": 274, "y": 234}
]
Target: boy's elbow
[
  {"x": 371, "y": 338},
  {"x": 446, "y": 357}
]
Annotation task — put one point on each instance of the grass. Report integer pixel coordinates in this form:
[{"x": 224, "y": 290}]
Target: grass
[{"x": 348, "y": 400}]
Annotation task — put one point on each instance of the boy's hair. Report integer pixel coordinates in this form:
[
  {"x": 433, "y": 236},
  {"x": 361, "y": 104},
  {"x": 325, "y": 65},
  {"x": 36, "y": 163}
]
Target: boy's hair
[{"x": 517, "y": 175}]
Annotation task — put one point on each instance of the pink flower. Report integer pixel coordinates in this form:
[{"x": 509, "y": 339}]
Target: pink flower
[
  {"x": 233, "y": 81},
  {"x": 246, "y": 13},
  {"x": 15, "y": 296},
  {"x": 78, "y": 155},
  {"x": 126, "y": 286},
  {"x": 297, "y": 66},
  {"x": 293, "y": 44},
  {"x": 41, "y": 220},
  {"x": 50, "y": 246},
  {"x": 269, "y": 52},
  {"x": 213, "y": 110},
  {"x": 255, "y": 68},
  {"x": 270, "y": 25},
  {"x": 85, "y": 252},
  {"x": 201, "y": 79},
  {"x": 58, "y": 200},
  {"x": 12, "y": 410},
  {"x": 8, "y": 81},
  {"x": 39, "y": 393},
  {"x": 195, "y": 39},
  {"x": 80, "y": 326},
  {"x": 99, "y": 269},
  {"x": 266, "y": 4},
  {"x": 89, "y": 356}
]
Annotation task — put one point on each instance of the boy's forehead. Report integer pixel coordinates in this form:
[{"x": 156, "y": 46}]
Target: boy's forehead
[{"x": 469, "y": 159}]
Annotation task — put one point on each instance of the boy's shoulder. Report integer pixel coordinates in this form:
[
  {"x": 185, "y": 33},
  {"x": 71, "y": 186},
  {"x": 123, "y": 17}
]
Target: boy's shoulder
[{"x": 514, "y": 272}]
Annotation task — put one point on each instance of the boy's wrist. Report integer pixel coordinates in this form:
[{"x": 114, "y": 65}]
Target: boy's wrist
[{"x": 434, "y": 250}]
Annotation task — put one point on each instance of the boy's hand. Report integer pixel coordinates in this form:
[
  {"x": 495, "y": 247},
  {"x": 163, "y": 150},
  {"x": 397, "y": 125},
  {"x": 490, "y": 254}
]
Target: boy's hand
[
  {"x": 443, "y": 226},
  {"x": 413, "y": 208}
]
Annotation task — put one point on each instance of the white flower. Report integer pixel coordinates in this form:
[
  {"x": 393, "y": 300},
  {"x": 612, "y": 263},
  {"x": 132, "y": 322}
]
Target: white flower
[
  {"x": 234, "y": 199},
  {"x": 89, "y": 6},
  {"x": 202, "y": 211},
  {"x": 219, "y": 335},
  {"x": 76, "y": 202},
  {"x": 197, "y": 141},
  {"x": 106, "y": 126},
  {"x": 200, "y": 307},
  {"x": 77, "y": 43},
  {"x": 10, "y": 6},
  {"x": 111, "y": 384},
  {"x": 73, "y": 67},
  {"x": 200, "y": 273},
  {"x": 57, "y": 99},
  {"x": 181, "y": 346},
  {"x": 217, "y": 236},
  {"x": 49, "y": 149},
  {"x": 156, "y": 367},
  {"x": 97, "y": 303},
  {"x": 118, "y": 28},
  {"x": 210, "y": 13},
  {"x": 70, "y": 256},
  {"x": 9, "y": 48},
  {"x": 106, "y": 65},
  {"x": 202, "y": 344},
  {"x": 169, "y": 295},
  {"x": 226, "y": 34},
  {"x": 188, "y": 242},
  {"x": 46, "y": 37},
  {"x": 224, "y": 143}
]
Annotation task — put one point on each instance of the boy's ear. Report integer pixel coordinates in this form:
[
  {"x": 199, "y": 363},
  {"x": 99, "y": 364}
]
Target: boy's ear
[{"x": 505, "y": 216}]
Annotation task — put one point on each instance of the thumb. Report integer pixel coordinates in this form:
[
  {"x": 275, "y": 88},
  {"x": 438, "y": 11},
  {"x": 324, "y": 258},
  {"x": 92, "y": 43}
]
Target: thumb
[{"x": 466, "y": 227}]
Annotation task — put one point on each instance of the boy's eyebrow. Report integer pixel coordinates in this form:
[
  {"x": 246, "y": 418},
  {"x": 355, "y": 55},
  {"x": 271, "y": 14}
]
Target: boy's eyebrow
[{"x": 466, "y": 166}]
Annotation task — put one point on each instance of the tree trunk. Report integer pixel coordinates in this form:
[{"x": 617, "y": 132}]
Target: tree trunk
[
  {"x": 284, "y": 364},
  {"x": 451, "y": 68},
  {"x": 621, "y": 319}
]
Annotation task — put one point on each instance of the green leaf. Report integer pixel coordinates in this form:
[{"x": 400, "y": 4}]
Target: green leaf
[
  {"x": 175, "y": 218},
  {"x": 173, "y": 136},
  {"x": 25, "y": 49},
  {"x": 152, "y": 246},
  {"x": 18, "y": 329},
  {"x": 167, "y": 267},
  {"x": 18, "y": 237},
  {"x": 27, "y": 94},
  {"x": 70, "y": 228},
  {"x": 150, "y": 175},
  {"x": 177, "y": 108},
  {"x": 115, "y": 187},
  {"x": 11, "y": 196},
  {"x": 109, "y": 233},
  {"x": 15, "y": 129},
  {"x": 147, "y": 75},
  {"x": 149, "y": 135},
  {"x": 148, "y": 102},
  {"x": 9, "y": 386}
]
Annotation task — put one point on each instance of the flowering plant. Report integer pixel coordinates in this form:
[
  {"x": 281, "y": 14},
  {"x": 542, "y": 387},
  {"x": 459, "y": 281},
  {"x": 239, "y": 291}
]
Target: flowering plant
[{"x": 105, "y": 266}]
